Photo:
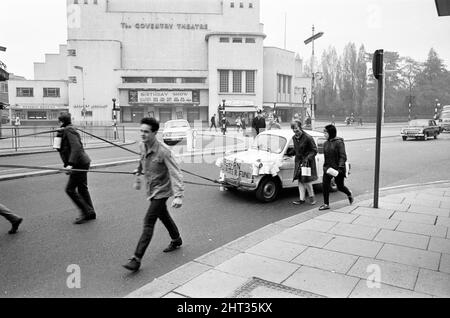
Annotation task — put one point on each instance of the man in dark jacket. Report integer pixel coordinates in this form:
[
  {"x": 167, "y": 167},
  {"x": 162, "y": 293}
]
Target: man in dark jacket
[
  {"x": 74, "y": 157},
  {"x": 258, "y": 123},
  {"x": 335, "y": 158}
]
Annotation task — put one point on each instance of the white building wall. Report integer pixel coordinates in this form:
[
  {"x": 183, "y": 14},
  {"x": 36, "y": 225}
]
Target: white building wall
[{"x": 54, "y": 67}]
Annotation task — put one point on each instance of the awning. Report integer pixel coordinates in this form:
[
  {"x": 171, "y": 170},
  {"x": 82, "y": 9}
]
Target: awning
[{"x": 240, "y": 109}]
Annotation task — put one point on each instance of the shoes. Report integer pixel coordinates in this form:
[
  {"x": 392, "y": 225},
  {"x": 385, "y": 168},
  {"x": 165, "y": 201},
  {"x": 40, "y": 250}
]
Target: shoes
[
  {"x": 15, "y": 226},
  {"x": 133, "y": 264},
  {"x": 312, "y": 201},
  {"x": 324, "y": 207},
  {"x": 298, "y": 202},
  {"x": 84, "y": 219},
  {"x": 351, "y": 199},
  {"x": 173, "y": 245}
]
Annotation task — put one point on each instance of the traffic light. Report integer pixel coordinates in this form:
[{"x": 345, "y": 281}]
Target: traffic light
[{"x": 377, "y": 64}]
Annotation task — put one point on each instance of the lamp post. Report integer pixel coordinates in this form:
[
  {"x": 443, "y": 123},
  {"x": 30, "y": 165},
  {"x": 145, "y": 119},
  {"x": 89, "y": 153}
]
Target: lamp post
[
  {"x": 224, "y": 120},
  {"x": 114, "y": 110},
  {"x": 82, "y": 87},
  {"x": 307, "y": 41}
]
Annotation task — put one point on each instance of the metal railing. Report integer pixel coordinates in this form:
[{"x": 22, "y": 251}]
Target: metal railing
[{"x": 29, "y": 137}]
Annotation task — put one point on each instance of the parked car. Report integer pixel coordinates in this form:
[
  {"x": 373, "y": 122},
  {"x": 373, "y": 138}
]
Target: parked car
[
  {"x": 267, "y": 166},
  {"x": 444, "y": 120},
  {"x": 421, "y": 129},
  {"x": 176, "y": 131}
]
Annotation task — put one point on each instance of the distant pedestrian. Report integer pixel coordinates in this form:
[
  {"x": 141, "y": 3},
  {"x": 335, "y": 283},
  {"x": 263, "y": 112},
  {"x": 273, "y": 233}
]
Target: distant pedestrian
[
  {"x": 258, "y": 123},
  {"x": 238, "y": 123},
  {"x": 360, "y": 121},
  {"x": 164, "y": 179},
  {"x": 14, "y": 219},
  {"x": 244, "y": 126},
  {"x": 335, "y": 160},
  {"x": 17, "y": 122},
  {"x": 273, "y": 123},
  {"x": 213, "y": 122},
  {"x": 305, "y": 156},
  {"x": 224, "y": 125},
  {"x": 74, "y": 157}
]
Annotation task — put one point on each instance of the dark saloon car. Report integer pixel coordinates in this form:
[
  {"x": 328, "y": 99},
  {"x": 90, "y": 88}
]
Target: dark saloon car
[{"x": 421, "y": 129}]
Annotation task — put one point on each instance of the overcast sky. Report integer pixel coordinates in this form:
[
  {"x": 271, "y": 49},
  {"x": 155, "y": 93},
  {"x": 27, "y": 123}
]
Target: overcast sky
[{"x": 30, "y": 28}]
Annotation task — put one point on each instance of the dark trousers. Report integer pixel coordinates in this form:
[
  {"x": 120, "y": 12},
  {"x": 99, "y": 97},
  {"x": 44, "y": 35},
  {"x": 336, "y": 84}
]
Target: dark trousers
[
  {"x": 213, "y": 125},
  {"x": 157, "y": 209},
  {"x": 77, "y": 190},
  {"x": 326, "y": 182},
  {"x": 7, "y": 214}
]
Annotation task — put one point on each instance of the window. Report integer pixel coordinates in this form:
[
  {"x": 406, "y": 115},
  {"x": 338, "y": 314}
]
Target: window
[
  {"x": 86, "y": 113},
  {"x": 279, "y": 83},
  {"x": 134, "y": 79},
  {"x": 51, "y": 92},
  {"x": 249, "y": 81},
  {"x": 160, "y": 80},
  {"x": 241, "y": 5},
  {"x": 250, "y": 5},
  {"x": 75, "y": 1},
  {"x": 223, "y": 79},
  {"x": 24, "y": 92},
  {"x": 86, "y": 2},
  {"x": 224, "y": 40},
  {"x": 289, "y": 78},
  {"x": 73, "y": 79},
  {"x": 71, "y": 52},
  {"x": 284, "y": 84},
  {"x": 35, "y": 115},
  {"x": 231, "y": 4},
  {"x": 3, "y": 87},
  {"x": 237, "y": 81},
  {"x": 237, "y": 40},
  {"x": 250, "y": 40},
  {"x": 95, "y": 2},
  {"x": 188, "y": 80}
]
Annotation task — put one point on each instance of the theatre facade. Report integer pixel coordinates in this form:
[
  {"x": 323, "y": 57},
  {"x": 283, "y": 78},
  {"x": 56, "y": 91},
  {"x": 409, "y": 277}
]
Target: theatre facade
[{"x": 169, "y": 59}]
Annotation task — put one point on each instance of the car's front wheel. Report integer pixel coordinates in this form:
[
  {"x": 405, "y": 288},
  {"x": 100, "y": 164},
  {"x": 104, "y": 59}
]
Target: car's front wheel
[
  {"x": 404, "y": 138},
  {"x": 268, "y": 189}
]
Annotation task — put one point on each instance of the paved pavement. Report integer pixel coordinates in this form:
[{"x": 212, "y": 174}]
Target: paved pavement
[{"x": 401, "y": 249}]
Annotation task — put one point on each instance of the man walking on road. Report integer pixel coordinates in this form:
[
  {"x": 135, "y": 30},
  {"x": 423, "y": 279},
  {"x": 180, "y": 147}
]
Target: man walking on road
[
  {"x": 164, "y": 179},
  {"x": 74, "y": 157},
  {"x": 14, "y": 219}
]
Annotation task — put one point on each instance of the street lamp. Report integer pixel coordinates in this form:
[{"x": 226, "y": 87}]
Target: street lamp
[
  {"x": 307, "y": 41},
  {"x": 82, "y": 86}
]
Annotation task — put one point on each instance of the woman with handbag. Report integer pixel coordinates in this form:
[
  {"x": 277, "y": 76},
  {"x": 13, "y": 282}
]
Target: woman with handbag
[
  {"x": 305, "y": 162},
  {"x": 334, "y": 166}
]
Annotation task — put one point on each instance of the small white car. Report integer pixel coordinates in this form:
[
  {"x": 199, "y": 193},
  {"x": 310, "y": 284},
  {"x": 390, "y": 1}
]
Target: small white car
[
  {"x": 268, "y": 166},
  {"x": 176, "y": 131}
]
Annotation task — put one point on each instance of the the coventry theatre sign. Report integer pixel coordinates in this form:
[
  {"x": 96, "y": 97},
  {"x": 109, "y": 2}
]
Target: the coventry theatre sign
[{"x": 164, "y": 26}]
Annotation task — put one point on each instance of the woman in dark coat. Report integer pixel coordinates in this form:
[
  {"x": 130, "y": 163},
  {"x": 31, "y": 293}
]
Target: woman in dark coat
[
  {"x": 305, "y": 155},
  {"x": 335, "y": 157}
]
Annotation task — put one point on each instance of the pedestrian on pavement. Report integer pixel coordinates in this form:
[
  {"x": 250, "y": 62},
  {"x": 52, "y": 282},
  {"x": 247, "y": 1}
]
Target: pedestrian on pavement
[
  {"x": 17, "y": 123},
  {"x": 273, "y": 123},
  {"x": 305, "y": 156},
  {"x": 238, "y": 122},
  {"x": 213, "y": 122},
  {"x": 243, "y": 126},
  {"x": 164, "y": 179},
  {"x": 14, "y": 219},
  {"x": 258, "y": 123},
  {"x": 335, "y": 158},
  {"x": 74, "y": 157}
]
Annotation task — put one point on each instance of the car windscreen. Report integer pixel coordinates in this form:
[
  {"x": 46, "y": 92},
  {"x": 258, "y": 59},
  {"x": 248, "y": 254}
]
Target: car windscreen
[
  {"x": 176, "y": 124},
  {"x": 269, "y": 143},
  {"x": 418, "y": 122},
  {"x": 445, "y": 114}
]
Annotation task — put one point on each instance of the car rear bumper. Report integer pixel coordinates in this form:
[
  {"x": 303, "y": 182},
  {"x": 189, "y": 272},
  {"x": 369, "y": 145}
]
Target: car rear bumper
[{"x": 412, "y": 134}]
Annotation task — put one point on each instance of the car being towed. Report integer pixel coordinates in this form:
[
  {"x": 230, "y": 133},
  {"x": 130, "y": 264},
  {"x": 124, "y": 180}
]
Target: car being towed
[
  {"x": 268, "y": 165},
  {"x": 421, "y": 129}
]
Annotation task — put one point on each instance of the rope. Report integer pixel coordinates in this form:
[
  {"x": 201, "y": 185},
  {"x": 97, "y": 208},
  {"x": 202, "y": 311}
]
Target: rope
[
  {"x": 91, "y": 170},
  {"x": 28, "y": 135},
  {"x": 109, "y": 142}
]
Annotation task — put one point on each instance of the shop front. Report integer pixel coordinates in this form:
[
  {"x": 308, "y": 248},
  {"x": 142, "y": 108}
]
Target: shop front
[
  {"x": 163, "y": 105},
  {"x": 35, "y": 115},
  {"x": 246, "y": 110}
]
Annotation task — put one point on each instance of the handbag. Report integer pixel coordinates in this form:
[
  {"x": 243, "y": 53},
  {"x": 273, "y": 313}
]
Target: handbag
[{"x": 306, "y": 171}]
